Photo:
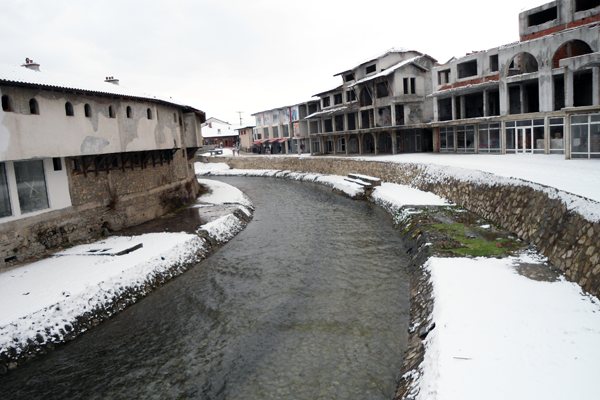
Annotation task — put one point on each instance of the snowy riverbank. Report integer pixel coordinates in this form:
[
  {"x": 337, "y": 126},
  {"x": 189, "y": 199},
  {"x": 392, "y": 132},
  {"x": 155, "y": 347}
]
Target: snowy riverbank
[
  {"x": 52, "y": 300},
  {"x": 498, "y": 333}
]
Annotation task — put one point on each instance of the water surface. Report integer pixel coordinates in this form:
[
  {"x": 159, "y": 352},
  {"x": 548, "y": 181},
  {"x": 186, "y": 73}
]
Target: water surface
[{"x": 310, "y": 301}]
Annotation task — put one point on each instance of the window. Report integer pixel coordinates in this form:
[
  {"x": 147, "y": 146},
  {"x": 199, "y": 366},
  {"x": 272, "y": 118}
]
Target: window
[
  {"x": 542, "y": 17},
  {"x": 326, "y": 101},
  {"x": 489, "y": 138},
  {"x": 371, "y": 68},
  {"x": 585, "y": 136},
  {"x": 180, "y": 121},
  {"x": 111, "y": 112},
  {"x": 6, "y": 104},
  {"x": 467, "y": 69},
  {"x": 129, "y": 112},
  {"x": 582, "y": 5},
  {"x": 5, "y": 210},
  {"x": 447, "y": 139},
  {"x": 31, "y": 185},
  {"x": 413, "y": 85},
  {"x": 465, "y": 138},
  {"x": 494, "y": 63},
  {"x": 149, "y": 113},
  {"x": 69, "y": 109},
  {"x": 175, "y": 117},
  {"x": 557, "y": 144},
  {"x": 34, "y": 109},
  {"x": 266, "y": 132},
  {"x": 349, "y": 77},
  {"x": 444, "y": 77},
  {"x": 405, "y": 82},
  {"x": 57, "y": 164},
  {"x": 350, "y": 96},
  {"x": 87, "y": 109},
  {"x": 337, "y": 98},
  {"x": 382, "y": 90}
]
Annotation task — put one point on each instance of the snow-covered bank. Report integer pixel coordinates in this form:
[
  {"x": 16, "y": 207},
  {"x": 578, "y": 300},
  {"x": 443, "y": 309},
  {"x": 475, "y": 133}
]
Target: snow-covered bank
[
  {"x": 499, "y": 334},
  {"x": 43, "y": 302},
  {"x": 336, "y": 182}
]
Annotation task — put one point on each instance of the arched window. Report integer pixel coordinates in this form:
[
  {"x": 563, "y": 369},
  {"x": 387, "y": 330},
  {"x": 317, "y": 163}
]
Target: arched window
[
  {"x": 149, "y": 113},
  {"x": 129, "y": 112},
  {"x": 87, "y": 110},
  {"x": 570, "y": 49},
  {"x": 69, "y": 109},
  {"x": 111, "y": 112},
  {"x": 34, "y": 108},
  {"x": 522, "y": 63},
  {"x": 6, "y": 103}
]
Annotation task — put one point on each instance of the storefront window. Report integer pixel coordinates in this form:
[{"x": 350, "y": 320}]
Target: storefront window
[
  {"x": 447, "y": 139},
  {"x": 5, "y": 210},
  {"x": 465, "y": 138},
  {"x": 557, "y": 130},
  {"x": 585, "y": 136},
  {"x": 31, "y": 185},
  {"x": 489, "y": 138}
]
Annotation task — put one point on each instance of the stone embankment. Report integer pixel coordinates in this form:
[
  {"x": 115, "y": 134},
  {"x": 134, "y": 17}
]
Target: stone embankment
[{"x": 537, "y": 214}]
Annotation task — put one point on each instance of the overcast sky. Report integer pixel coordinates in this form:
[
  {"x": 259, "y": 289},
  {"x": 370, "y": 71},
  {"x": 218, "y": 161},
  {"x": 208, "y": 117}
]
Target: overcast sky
[{"x": 238, "y": 55}]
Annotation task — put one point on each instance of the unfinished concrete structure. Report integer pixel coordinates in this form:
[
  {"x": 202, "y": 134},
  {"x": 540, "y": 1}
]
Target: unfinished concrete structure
[
  {"x": 79, "y": 158},
  {"x": 284, "y": 130},
  {"x": 539, "y": 95},
  {"x": 382, "y": 106}
]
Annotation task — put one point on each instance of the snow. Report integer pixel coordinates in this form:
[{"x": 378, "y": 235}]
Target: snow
[
  {"x": 44, "y": 296},
  {"x": 501, "y": 335},
  {"x": 397, "y": 196}
]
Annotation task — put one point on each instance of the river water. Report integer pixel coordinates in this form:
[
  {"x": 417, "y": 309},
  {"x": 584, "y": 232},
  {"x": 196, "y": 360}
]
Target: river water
[{"x": 310, "y": 301}]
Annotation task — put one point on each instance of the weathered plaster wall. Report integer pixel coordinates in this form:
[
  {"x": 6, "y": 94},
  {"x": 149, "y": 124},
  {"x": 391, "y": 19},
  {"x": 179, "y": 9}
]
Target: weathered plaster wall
[
  {"x": 54, "y": 134},
  {"x": 569, "y": 240},
  {"x": 101, "y": 204}
]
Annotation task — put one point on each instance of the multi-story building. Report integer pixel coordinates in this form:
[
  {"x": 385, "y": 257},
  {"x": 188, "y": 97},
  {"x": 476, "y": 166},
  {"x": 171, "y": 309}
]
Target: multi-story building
[
  {"x": 381, "y": 106},
  {"x": 80, "y": 158},
  {"x": 539, "y": 95},
  {"x": 246, "y": 137},
  {"x": 284, "y": 130}
]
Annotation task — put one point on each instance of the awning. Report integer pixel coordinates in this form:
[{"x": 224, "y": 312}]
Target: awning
[
  {"x": 283, "y": 140},
  {"x": 257, "y": 142},
  {"x": 272, "y": 140}
]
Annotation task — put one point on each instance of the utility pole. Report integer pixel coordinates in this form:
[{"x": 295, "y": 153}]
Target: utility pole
[{"x": 240, "y": 112}]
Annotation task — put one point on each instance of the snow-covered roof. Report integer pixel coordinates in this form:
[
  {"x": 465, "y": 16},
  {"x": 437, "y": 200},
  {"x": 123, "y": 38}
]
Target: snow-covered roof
[
  {"x": 380, "y": 55},
  {"x": 333, "y": 89},
  {"x": 390, "y": 70},
  {"x": 326, "y": 112},
  {"x": 216, "y": 130},
  {"x": 22, "y": 75}
]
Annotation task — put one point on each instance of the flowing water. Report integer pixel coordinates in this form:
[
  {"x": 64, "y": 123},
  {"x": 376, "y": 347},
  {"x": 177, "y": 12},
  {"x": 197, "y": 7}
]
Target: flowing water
[{"x": 310, "y": 301}]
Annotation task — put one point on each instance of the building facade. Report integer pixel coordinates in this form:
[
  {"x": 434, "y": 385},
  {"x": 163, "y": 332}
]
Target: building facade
[
  {"x": 220, "y": 133},
  {"x": 538, "y": 96},
  {"x": 82, "y": 158}
]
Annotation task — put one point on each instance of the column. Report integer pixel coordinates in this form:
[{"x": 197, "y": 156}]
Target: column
[
  {"x": 347, "y": 140},
  {"x": 568, "y": 88},
  {"x": 394, "y": 140}
]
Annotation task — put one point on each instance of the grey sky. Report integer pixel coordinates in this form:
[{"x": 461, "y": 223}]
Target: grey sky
[{"x": 234, "y": 55}]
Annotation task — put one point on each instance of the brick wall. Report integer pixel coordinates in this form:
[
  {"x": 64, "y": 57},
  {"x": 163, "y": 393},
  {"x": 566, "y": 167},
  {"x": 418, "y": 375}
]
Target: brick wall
[{"x": 569, "y": 240}]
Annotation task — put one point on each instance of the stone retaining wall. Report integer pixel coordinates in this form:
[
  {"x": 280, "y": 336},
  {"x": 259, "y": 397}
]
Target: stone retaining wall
[
  {"x": 568, "y": 239},
  {"x": 102, "y": 203}
]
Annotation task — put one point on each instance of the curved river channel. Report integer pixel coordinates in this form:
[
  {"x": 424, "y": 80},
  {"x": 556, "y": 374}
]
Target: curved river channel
[{"x": 310, "y": 301}]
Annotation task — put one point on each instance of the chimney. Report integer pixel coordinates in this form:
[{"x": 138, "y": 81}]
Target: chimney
[
  {"x": 111, "y": 79},
  {"x": 31, "y": 65}
]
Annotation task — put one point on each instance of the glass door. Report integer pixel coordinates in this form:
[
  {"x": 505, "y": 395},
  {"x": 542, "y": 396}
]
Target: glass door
[{"x": 524, "y": 139}]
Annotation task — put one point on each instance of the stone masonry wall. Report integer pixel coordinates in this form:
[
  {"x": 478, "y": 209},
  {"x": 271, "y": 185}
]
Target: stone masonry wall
[
  {"x": 570, "y": 242},
  {"x": 101, "y": 204}
]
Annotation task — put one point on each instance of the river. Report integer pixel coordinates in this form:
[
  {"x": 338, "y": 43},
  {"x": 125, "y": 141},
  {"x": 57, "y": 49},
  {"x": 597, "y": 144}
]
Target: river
[{"x": 310, "y": 301}]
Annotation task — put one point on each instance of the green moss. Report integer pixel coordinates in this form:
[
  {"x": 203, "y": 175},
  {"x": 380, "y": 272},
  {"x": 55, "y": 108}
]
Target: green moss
[{"x": 472, "y": 246}]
